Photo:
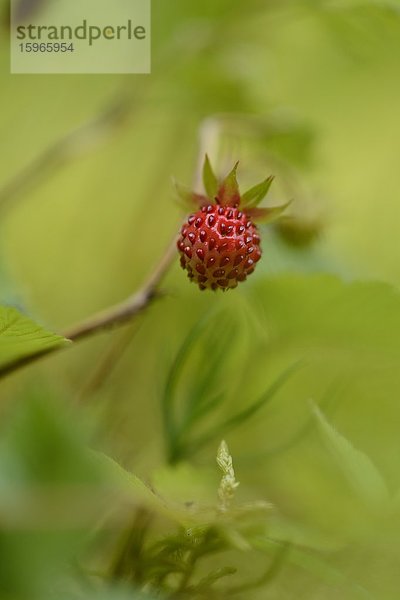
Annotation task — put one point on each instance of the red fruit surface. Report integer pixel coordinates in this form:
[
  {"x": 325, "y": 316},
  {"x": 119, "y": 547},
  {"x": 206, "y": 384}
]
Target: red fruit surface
[{"x": 219, "y": 247}]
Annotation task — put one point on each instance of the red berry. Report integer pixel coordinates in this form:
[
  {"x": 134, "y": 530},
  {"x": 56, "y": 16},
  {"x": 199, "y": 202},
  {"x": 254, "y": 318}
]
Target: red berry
[{"x": 219, "y": 246}]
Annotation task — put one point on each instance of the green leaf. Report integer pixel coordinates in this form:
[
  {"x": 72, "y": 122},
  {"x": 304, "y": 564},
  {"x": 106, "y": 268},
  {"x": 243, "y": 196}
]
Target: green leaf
[
  {"x": 228, "y": 193},
  {"x": 206, "y": 395},
  {"x": 251, "y": 410},
  {"x": 209, "y": 179},
  {"x": 254, "y": 195},
  {"x": 357, "y": 467},
  {"x": 167, "y": 401},
  {"x": 347, "y": 334},
  {"x": 133, "y": 488},
  {"x": 244, "y": 415},
  {"x": 209, "y": 348},
  {"x": 171, "y": 488},
  {"x": 20, "y": 337}
]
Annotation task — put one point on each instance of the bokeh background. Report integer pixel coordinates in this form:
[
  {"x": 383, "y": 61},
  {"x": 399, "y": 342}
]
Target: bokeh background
[{"x": 308, "y": 91}]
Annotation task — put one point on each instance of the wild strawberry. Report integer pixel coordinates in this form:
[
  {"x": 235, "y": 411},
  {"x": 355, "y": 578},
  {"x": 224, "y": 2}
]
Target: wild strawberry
[{"x": 219, "y": 244}]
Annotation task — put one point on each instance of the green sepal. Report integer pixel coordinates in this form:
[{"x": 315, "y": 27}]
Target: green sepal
[
  {"x": 188, "y": 198},
  {"x": 254, "y": 195},
  {"x": 267, "y": 214},
  {"x": 228, "y": 193},
  {"x": 209, "y": 179}
]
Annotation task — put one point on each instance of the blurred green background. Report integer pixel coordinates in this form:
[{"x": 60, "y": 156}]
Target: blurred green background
[{"x": 308, "y": 91}]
